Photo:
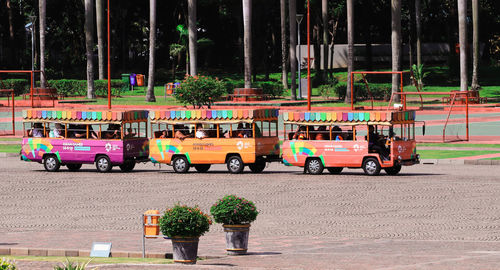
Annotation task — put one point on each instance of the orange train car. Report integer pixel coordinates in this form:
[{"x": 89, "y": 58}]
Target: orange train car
[
  {"x": 371, "y": 140},
  {"x": 200, "y": 138}
]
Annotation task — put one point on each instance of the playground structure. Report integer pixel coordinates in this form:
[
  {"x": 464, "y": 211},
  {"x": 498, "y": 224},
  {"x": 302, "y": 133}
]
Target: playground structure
[{"x": 453, "y": 98}]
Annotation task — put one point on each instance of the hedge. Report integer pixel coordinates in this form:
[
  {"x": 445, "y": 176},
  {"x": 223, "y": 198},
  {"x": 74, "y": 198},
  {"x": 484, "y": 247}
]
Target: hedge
[
  {"x": 20, "y": 86},
  {"x": 379, "y": 91},
  {"x": 79, "y": 87},
  {"x": 272, "y": 88}
]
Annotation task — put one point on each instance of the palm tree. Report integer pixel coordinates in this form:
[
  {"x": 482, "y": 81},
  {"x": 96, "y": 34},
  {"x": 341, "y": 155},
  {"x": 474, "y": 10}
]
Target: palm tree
[
  {"x": 284, "y": 71},
  {"x": 247, "y": 40},
  {"x": 475, "y": 44},
  {"x": 100, "y": 38},
  {"x": 396, "y": 44},
  {"x": 292, "y": 10},
  {"x": 324, "y": 15},
  {"x": 193, "y": 36},
  {"x": 350, "y": 48},
  {"x": 462, "y": 35},
  {"x": 42, "y": 11},
  {"x": 89, "y": 44},
  {"x": 150, "y": 95},
  {"x": 418, "y": 26}
]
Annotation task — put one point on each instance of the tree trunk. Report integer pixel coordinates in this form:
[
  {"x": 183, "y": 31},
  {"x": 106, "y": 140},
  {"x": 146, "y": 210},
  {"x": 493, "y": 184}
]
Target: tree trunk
[
  {"x": 324, "y": 15},
  {"x": 418, "y": 28},
  {"x": 350, "y": 48},
  {"x": 89, "y": 44},
  {"x": 247, "y": 41},
  {"x": 475, "y": 44},
  {"x": 42, "y": 13},
  {"x": 462, "y": 34},
  {"x": 12, "y": 45},
  {"x": 100, "y": 37},
  {"x": 284, "y": 69},
  {"x": 396, "y": 45},
  {"x": 292, "y": 10},
  {"x": 150, "y": 95},
  {"x": 193, "y": 38}
]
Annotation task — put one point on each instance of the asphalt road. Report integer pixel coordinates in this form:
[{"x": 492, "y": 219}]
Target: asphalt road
[{"x": 429, "y": 210}]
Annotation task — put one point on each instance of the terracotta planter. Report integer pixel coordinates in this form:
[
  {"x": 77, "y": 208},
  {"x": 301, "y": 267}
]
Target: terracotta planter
[
  {"x": 236, "y": 238},
  {"x": 185, "y": 249}
]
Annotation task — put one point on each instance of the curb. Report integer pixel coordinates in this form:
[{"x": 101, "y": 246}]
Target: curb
[
  {"x": 4, "y": 155},
  {"x": 78, "y": 253},
  {"x": 459, "y": 162}
]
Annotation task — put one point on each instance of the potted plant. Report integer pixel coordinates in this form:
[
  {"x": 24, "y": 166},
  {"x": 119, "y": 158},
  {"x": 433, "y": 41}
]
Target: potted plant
[
  {"x": 184, "y": 225},
  {"x": 236, "y": 214}
]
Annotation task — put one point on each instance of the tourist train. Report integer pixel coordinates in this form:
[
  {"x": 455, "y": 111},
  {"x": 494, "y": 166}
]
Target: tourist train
[{"x": 315, "y": 140}]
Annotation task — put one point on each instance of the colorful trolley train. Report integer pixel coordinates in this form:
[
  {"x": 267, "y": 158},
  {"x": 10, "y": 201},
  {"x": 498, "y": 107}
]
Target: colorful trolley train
[{"x": 371, "y": 140}]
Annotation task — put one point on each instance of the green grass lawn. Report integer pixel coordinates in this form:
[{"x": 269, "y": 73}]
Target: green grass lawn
[
  {"x": 60, "y": 260},
  {"x": 11, "y": 139},
  {"x": 131, "y": 100},
  {"x": 445, "y": 154},
  {"x": 10, "y": 148}
]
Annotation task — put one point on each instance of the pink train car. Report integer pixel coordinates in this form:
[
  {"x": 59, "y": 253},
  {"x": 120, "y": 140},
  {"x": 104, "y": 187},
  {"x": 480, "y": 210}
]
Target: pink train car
[{"x": 71, "y": 138}]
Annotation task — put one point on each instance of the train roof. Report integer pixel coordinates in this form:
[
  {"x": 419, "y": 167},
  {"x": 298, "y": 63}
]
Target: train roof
[
  {"x": 213, "y": 116},
  {"x": 348, "y": 117},
  {"x": 85, "y": 116}
]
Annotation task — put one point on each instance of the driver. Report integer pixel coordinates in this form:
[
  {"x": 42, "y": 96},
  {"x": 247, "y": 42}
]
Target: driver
[{"x": 375, "y": 143}]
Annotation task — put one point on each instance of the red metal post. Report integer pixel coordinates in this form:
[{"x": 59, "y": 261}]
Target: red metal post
[
  {"x": 13, "y": 115},
  {"x": 467, "y": 114},
  {"x": 31, "y": 89},
  {"x": 109, "y": 63},
  {"x": 352, "y": 91},
  {"x": 308, "y": 59},
  {"x": 403, "y": 96}
]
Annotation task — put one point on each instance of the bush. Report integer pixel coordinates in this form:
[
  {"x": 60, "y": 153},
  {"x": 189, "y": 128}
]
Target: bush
[
  {"x": 379, "y": 91},
  {"x": 199, "y": 91},
  {"x": 71, "y": 266},
  {"x": 184, "y": 221},
  {"x": 20, "y": 86},
  {"x": 271, "y": 88},
  {"x": 6, "y": 264},
  {"x": 79, "y": 87},
  {"x": 232, "y": 210}
]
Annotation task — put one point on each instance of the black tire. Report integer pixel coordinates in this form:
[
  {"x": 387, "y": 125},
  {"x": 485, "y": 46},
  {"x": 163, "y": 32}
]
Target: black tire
[
  {"x": 371, "y": 166},
  {"x": 335, "y": 170},
  {"x": 314, "y": 166},
  {"x": 258, "y": 166},
  {"x": 235, "y": 164},
  {"x": 393, "y": 170},
  {"x": 103, "y": 164},
  {"x": 202, "y": 168},
  {"x": 51, "y": 163},
  {"x": 74, "y": 167},
  {"x": 180, "y": 164},
  {"x": 127, "y": 166}
]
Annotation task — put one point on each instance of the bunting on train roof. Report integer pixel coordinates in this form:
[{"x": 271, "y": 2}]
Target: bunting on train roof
[
  {"x": 349, "y": 116},
  {"x": 87, "y": 115},
  {"x": 240, "y": 114}
]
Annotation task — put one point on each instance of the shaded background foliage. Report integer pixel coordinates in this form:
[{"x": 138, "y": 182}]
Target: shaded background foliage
[{"x": 219, "y": 21}]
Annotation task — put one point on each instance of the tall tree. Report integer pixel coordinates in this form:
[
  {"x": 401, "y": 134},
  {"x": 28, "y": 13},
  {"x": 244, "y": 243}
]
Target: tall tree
[
  {"x": 396, "y": 44},
  {"x": 475, "y": 44},
  {"x": 193, "y": 38},
  {"x": 462, "y": 36},
  {"x": 418, "y": 28},
  {"x": 12, "y": 45},
  {"x": 284, "y": 69},
  {"x": 100, "y": 37},
  {"x": 247, "y": 41},
  {"x": 150, "y": 95},
  {"x": 292, "y": 10},
  {"x": 350, "y": 48},
  {"x": 324, "y": 15},
  {"x": 42, "y": 7},
  {"x": 89, "y": 45}
]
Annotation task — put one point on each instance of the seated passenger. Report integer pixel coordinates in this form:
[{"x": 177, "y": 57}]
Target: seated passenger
[
  {"x": 113, "y": 132},
  {"x": 200, "y": 132},
  {"x": 312, "y": 133},
  {"x": 300, "y": 134},
  {"x": 248, "y": 130},
  {"x": 37, "y": 131},
  {"x": 337, "y": 133},
  {"x": 240, "y": 132},
  {"x": 80, "y": 131},
  {"x": 322, "y": 133},
  {"x": 376, "y": 143},
  {"x": 129, "y": 133},
  {"x": 163, "y": 134},
  {"x": 92, "y": 133},
  {"x": 178, "y": 132},
  {"x": 58, "y": 131}
]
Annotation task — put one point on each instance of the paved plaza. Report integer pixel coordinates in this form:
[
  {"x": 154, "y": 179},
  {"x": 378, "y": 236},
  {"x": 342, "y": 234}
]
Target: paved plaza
[{"x": 428, "y": 217}]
